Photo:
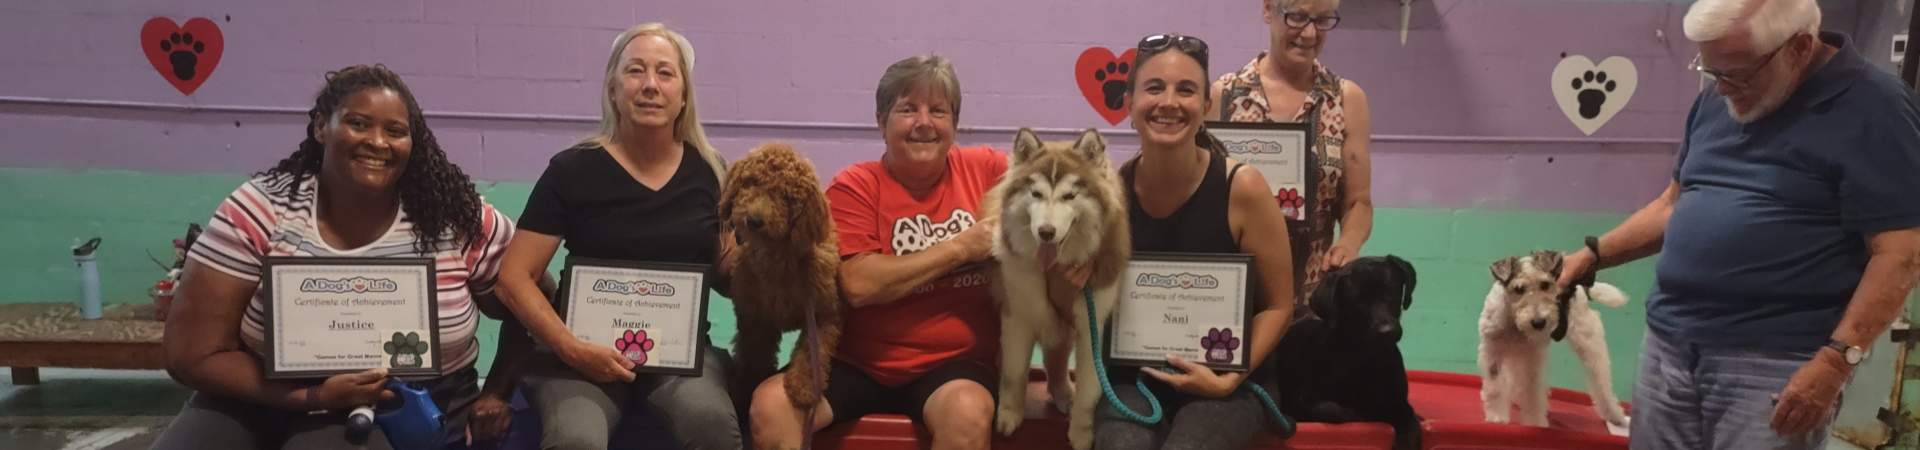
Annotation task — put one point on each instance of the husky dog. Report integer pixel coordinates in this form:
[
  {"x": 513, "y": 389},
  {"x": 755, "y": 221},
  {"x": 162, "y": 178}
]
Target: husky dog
[
  {"x": 1060, "y": 204},
  {"x": 1516, "y": 324}
]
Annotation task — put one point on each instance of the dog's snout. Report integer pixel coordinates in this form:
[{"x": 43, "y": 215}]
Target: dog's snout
[
  {"x": 1389, "y": 332},
  {"x": 754, "y": 222},
  {"x": 1046, "y": 232},
  {"x": 1539, "y": 324}
]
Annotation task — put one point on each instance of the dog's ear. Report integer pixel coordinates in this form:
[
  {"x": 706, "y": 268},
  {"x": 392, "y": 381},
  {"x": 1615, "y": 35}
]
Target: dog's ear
[
  {"x": 1091, "y": 145},
  {"x": 1547, "y": 261},
  {"x": 1503, "y": 269},
  {"x": 812, "y": 223},
  {"x": 728, "y": 190},
  {"x": 1408, "y": 279},
  {"x": 1025, "y": 145}
]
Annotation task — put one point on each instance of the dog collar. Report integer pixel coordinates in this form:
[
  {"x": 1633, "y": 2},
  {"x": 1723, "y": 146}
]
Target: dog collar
[{"x": 1585, "y": 281}]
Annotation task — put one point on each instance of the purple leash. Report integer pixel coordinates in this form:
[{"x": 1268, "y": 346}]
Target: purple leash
[{"x": 813, "y": 347}]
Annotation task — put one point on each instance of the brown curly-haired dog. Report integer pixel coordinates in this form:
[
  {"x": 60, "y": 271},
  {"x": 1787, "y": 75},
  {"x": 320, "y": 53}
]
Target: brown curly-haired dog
[{"x": 788, "y": 263}]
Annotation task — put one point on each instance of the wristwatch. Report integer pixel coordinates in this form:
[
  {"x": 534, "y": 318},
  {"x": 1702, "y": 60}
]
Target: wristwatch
[
  {"x": 1593, "y": 246},
  {"x": 1853, "y": 354}
]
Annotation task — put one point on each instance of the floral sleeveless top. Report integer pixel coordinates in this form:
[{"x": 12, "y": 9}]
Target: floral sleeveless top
[{"x": 1245, "y": 100}]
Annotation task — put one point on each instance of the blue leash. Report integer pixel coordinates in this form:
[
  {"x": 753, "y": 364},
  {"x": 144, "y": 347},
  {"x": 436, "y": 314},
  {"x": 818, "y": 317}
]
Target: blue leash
[{"x": 1153, "y": 403}]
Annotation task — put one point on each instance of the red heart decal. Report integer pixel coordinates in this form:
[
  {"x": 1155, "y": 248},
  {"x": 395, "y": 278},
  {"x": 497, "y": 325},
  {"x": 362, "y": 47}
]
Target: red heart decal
[
  {"x": 185, "y": 56},
  {"x": 1103, "y": 81}
]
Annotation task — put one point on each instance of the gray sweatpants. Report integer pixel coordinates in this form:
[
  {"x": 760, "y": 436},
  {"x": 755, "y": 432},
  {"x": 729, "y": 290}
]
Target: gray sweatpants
[
  {"x": 210, "y": 422},
  {"x": 1188, "y": 422},
  {"x": 578, "y": 414}
]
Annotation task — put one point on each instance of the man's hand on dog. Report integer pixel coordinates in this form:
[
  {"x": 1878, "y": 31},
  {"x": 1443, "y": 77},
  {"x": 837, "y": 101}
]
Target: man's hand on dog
[
  {"x": 599, "y": 363},
  {"x": 1810, "y": 395},
  {"x": 1573, "y": 265},
  {"x": 1197, "y": 379}
]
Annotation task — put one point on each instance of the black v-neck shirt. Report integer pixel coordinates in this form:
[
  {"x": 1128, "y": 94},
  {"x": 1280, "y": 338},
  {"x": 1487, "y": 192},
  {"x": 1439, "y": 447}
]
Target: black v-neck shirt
[{"x": 600, "y": 211}]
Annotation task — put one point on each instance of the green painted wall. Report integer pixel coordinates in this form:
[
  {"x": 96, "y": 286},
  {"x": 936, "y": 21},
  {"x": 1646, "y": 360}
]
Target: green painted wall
[{"x": 138, "y": 214}]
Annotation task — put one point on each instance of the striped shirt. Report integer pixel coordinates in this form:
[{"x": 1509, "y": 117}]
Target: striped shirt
[{"x": 273, "y": 216}]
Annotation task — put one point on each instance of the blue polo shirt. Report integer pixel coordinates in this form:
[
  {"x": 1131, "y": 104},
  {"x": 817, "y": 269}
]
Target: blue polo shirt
[{"x": 1768, "y": 238}]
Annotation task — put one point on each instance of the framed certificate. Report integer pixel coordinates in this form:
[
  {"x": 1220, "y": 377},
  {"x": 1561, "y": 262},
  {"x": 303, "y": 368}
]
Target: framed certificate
[
  {"x": 650, "y": 312},
  {"x": 1194, "y": 306},
  {"x": 1280, "y": 151},
  {"x": 328, "y": 316}
]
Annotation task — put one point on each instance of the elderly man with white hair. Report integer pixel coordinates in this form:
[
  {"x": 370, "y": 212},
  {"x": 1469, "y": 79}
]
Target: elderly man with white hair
[{"x": 1789, "y": 235}]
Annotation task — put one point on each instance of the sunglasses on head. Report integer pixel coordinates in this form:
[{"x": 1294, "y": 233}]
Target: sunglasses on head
[{"x": 1190, "y": 45}]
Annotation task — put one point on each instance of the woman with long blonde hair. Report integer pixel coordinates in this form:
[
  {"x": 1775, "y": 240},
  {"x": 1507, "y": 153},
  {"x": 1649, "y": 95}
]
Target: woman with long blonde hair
[{"x": 644, "y": 188}]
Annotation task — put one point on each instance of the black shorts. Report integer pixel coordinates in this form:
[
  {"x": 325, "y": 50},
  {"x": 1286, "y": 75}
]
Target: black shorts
[{"x": 853, "y": 394}]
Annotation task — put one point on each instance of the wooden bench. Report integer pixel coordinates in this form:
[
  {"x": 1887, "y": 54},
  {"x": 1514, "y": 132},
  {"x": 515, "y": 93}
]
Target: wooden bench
[{"x": 35, "y": 335}]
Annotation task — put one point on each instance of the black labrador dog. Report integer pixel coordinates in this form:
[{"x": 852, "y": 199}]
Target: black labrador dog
[{"x": 1345, "y": 366}]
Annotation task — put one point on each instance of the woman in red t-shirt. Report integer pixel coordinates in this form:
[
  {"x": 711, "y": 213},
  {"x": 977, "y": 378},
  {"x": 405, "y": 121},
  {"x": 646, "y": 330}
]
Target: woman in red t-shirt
[{"x": 923, "y": 333}]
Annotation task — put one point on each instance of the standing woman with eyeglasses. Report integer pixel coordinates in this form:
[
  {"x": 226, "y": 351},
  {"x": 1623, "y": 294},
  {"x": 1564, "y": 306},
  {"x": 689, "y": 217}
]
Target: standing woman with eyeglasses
[
  {"x": 1184, "y": 195},
  {"x": 1287, "y": 83}
]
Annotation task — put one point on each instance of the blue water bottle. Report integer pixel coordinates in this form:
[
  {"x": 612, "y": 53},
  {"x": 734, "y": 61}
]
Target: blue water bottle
[{"x": 89, "y": 278}]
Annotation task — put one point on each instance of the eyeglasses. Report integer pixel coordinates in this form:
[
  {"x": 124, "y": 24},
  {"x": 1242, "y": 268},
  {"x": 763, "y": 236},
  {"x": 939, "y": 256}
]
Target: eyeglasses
[
  {"x": 1190, "y": 45},
  {"x": 1737, "y": 78},
  {"x": 1300, "y": 20}
]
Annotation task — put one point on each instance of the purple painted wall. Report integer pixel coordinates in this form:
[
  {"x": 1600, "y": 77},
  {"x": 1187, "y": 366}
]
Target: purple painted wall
[{"x": 1463, "y": 115}]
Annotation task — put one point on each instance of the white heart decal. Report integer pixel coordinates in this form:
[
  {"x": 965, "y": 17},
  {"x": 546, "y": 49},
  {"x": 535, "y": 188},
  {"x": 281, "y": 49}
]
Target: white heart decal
[{"x": 1591, "y": 94}]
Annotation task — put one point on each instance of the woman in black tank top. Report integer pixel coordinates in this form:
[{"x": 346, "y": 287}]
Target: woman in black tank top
[{"x": 1184, "y": 195}]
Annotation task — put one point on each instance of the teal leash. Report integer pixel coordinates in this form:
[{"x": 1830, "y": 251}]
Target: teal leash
[
  {"x": 1287, "y": 427},
  {"x": 1100, "y": 369}
]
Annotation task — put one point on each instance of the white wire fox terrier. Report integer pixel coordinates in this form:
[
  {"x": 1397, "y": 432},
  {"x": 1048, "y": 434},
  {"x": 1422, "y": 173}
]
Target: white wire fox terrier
[{"x": 1518, "y": 322}]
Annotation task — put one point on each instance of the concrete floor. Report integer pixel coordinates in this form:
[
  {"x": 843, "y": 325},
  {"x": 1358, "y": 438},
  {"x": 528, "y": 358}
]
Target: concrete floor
[{"x": 80, "y": 409}]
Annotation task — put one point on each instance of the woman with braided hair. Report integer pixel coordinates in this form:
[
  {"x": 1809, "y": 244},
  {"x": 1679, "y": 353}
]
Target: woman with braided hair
[{"x": 368, "y": 181}]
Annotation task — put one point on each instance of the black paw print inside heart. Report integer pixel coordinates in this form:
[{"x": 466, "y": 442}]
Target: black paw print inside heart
[
  {"x": 1593, "y": 87},
  {"x": 184, "y": 53},
  {"x": 1113, "y": 83}
]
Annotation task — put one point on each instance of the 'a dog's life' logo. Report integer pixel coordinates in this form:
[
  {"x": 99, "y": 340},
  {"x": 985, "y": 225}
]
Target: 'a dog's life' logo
[
  {"x": 1177, "y": 281},
  {"x": 1255, "y": 146},
  {"x": 357, "y": 285},
  {"x": 636, "y": 287},
  {"x": 913, "y": 234}
]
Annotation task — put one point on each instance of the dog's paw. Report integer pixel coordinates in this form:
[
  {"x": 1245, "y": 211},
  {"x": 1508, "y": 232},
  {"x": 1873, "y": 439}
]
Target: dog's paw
[
  {"x": 1080, "y": 433},
  {"x": 1062, "y": 393},
  {"x": 1494, "y": 415},
  {"x": 1007, "y": 419},
  {"x": 1620, "y": 429},
  {"x": 1333, "y": 412}
]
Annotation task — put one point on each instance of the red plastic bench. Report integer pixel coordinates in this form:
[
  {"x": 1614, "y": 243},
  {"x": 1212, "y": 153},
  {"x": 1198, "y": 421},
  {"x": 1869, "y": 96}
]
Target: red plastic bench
[{"x": 1449, "y": 403}]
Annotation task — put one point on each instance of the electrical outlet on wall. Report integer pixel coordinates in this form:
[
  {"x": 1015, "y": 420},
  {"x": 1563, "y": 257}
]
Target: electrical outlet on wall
[{"x": 1899, "y": 48}]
